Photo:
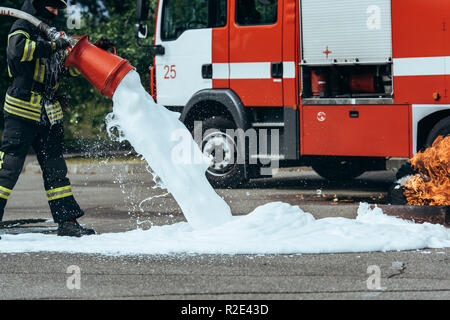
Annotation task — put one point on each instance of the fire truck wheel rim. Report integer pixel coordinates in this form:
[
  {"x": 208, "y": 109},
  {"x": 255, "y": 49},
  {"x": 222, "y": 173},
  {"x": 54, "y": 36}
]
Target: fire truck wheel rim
[{"x": 216, "y": 144}]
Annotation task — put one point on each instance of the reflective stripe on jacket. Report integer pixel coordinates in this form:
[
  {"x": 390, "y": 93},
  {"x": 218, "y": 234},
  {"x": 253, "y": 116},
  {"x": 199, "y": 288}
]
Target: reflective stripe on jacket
[{"x": 36, "y": 68}]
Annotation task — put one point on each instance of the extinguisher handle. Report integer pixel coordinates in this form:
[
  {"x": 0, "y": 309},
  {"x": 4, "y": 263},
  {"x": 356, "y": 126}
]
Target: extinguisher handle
[
  {"x": 114, "y": 49},
  {"x": 105, "y": 44}
]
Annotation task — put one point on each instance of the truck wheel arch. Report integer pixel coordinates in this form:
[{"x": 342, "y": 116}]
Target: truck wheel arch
[
  {"x": 427, "y": 124},
  {"x": 224, "y": 97},
  {"x": 442, "y": 128}
]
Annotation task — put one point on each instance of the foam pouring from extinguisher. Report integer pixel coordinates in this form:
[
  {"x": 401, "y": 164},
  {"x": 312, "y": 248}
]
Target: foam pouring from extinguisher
[
  {"x": 168, "y": 147},
  {"x": 155, "y": 133}
]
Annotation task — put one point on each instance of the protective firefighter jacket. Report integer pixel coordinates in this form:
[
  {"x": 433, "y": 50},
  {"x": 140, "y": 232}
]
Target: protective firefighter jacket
[{"x": 35, "y": 67}]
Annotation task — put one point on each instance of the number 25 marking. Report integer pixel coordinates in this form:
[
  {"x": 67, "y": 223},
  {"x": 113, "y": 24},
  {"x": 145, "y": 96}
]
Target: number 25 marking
[{"x": 171, "y": 73}]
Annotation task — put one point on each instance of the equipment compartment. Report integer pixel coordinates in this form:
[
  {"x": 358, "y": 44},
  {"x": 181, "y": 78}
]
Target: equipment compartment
[{"x": 346, "y": 31}]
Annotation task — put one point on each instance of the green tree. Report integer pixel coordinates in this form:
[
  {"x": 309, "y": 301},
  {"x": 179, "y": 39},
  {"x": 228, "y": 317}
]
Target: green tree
[{"x": 115, "y": 20}]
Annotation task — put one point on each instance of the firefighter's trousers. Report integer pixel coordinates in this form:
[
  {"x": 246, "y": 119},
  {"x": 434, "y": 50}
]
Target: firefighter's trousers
[{"x": 47, "y": 141}]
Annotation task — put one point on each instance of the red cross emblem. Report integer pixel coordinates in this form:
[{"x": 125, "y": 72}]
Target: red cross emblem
[{"x": 327, "y": 52}]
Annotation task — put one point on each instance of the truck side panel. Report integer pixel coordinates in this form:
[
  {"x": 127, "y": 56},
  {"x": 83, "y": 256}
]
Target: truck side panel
[
  {"x": 372, "y": 131},
  {"x": 290, "y": 45},
  {"x": 253, "y": 48},
  {"x": 221, "y": 54},
  {"x": 420, "y": 35}
]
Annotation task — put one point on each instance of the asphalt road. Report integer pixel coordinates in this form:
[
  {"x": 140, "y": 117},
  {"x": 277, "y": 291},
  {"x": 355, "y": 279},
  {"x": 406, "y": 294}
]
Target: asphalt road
[{"x": 111, "y": 197}]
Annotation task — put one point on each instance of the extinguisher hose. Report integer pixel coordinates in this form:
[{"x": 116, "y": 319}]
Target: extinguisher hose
[{"x": 51, "y": 32}]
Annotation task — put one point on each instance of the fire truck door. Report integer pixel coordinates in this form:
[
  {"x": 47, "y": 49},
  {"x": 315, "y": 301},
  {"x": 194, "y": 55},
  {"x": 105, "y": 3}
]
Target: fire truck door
[
  {"x": 185, "y": 30},
  {"x": 256, "y": 65},
  {"x": 420, "y": 45}
]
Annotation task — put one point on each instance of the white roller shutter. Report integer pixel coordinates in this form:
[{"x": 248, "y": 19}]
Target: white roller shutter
[{"x": 348, "y": 30}]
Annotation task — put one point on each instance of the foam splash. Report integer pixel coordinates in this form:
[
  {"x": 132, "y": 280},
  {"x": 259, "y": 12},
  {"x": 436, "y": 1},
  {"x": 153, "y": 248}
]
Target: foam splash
[
  {"x": 154, "y": 133},
  {"x": 275, "y": 228}
]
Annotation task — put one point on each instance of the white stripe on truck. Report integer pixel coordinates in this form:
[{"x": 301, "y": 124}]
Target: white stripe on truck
[
  {"x": 250, "y": 70},
  {"x": 430, "y": 66}
]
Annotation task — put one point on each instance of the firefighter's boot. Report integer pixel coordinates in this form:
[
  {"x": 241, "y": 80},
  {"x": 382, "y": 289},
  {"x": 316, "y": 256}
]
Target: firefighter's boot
[{"x": 71, "y": 228}]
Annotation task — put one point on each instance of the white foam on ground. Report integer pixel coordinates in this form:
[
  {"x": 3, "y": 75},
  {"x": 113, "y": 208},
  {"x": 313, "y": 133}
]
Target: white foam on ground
[{"x": 276, "y": 228}]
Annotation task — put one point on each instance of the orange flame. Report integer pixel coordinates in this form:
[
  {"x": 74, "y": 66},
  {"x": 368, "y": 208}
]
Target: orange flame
[{"x": 431, "y": 186}]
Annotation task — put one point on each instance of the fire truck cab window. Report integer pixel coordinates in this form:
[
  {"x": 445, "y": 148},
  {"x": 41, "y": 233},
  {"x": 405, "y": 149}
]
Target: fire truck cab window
[
  {"x": 256, "y": 12},
  {"x": 182, "y": 15}
]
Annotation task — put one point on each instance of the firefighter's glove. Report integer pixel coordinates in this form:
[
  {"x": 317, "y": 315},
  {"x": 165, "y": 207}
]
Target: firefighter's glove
[
  {"x": 61, "y": 44},
  {"x": 104, "y": 43}
]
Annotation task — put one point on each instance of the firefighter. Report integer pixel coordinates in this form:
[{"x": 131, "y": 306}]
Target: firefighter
[{"x": 33, "y": 115}]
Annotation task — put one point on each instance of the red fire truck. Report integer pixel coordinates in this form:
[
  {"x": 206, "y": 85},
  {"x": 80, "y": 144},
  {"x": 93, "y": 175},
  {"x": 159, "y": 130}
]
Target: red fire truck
[{"x": 347, "y": 84}]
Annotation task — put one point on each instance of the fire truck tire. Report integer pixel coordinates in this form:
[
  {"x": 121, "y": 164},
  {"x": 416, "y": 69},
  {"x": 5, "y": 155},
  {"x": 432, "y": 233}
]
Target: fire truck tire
[
  {"x": 224, "y": 173},
  {"x": 442, "y": 128},
  {"x": 338, "y": 169}
]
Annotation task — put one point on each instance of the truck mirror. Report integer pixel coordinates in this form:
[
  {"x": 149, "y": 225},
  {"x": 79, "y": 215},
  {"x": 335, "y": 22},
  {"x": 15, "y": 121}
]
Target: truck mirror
[
  {"x": 142, "y": 10},
  {"x": 141, "y": 31}
]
